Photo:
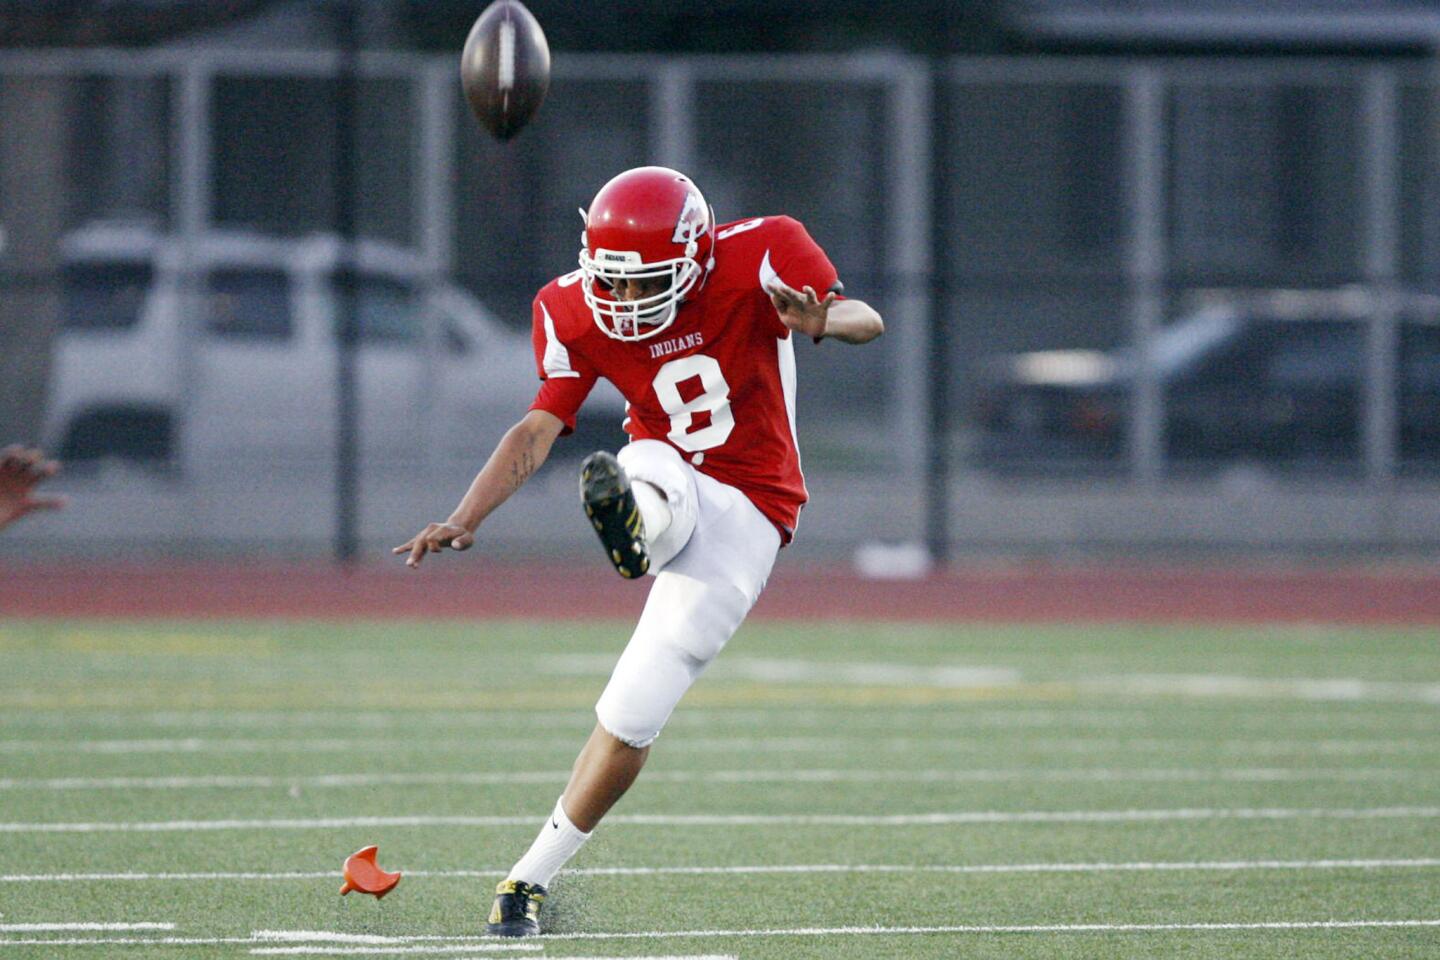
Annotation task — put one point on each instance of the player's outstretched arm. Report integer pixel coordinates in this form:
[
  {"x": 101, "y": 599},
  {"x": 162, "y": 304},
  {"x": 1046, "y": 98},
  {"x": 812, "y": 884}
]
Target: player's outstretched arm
[
  {"x": 850, "y": 321},
  {"x": 517, "y": 456},
  {"x": 21, "y": 471}
]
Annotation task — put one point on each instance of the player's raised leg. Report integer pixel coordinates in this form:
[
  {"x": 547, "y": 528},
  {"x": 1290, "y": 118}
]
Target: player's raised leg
[{"x": 697, "y": 603}]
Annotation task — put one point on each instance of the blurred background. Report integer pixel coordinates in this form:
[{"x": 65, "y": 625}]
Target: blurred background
[{"x": 1160, "y": 277}]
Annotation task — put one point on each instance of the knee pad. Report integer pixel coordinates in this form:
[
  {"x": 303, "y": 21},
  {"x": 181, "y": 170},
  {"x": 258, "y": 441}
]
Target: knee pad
[{"x": 685, "y": 625}]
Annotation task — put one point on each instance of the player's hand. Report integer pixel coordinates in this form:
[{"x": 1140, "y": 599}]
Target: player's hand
[
  {"x": 802, "y": 311},
  {"x": 434, "y": 538},
  {"x": 21, "y": 470}
]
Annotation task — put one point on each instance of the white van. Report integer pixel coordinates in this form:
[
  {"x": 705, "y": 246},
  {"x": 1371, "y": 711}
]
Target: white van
[{"x": 240, "y": 358}]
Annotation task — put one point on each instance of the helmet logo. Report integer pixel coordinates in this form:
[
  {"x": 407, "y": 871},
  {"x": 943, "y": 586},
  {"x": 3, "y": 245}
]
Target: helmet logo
[{"x": 691, "y": 222}]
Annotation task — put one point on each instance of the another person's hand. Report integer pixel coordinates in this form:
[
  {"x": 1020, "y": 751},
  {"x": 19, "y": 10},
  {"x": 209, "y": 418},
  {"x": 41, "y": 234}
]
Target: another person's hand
[
  {"x": 434, "y": 538},
  {"x": 21, "y": 470},
  {"x": 804, "y": 311}
]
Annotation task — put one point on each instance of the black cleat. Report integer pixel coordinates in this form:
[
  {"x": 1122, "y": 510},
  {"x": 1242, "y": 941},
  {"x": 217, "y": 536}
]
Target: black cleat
[
  {"x": 516, "y": 912},
  {"x": 605, "y": 494}
]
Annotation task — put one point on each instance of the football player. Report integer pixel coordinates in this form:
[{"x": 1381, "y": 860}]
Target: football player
[
  {"x": 21, "y": 471},
  {"x": 695, "y": 323}
]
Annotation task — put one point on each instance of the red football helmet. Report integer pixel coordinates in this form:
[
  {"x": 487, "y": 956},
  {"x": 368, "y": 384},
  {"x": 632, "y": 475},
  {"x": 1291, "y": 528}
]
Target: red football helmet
[{"x": 645, "y": 223}]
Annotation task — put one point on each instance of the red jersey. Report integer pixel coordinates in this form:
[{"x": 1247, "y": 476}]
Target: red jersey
[{"x": 718, "y": 384}]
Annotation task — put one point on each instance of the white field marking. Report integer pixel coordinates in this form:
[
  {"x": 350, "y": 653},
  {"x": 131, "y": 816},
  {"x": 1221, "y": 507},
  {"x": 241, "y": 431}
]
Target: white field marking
[
  {"x": 1168, "y": 745},
  {"x": 703, "y": 820},
  {"x": 870, "y": 674},
  {"x": 1277, "y": 688},
  {"x": 216, "y": 745},
  {"x": 115, "y": 877},
  {"x": 336, "y": 937},
  {"x": 1079, "y": 775},
  {"x": 730, "y": 744},
  {"x": 291, "y": 720},
  {"x": 771, "y": 670},
  {"x": 473, "y": 945},
  {"x": 387, "y": 745},
  {"x": 822, "y": 932},
  {"x": 955, "y": 716},
  {"x": 1219, "y": 866},
  {"x": 316, "y": 781},
  {"x": 353, "y": 952},
  {"x": 128, "y": 941},
  {"x": 78, "y": 927},
  {"x": 981, "y": 868},
  {"x": 1007, "y": 928},
  {"x": 453, "y": 948},
  {"x": 889, "y": 673}
]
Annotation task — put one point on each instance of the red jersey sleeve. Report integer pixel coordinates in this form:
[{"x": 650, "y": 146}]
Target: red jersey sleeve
[
  {"x": 797, "y": 260},
  {"x": 566, "y": 380}
]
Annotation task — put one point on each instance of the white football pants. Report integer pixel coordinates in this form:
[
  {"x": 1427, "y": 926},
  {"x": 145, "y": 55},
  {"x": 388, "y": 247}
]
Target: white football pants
[{"x": 710, "y": 566}]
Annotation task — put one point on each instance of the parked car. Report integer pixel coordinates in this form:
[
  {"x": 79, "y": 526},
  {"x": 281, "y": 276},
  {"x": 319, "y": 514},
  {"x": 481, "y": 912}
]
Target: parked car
[
  {"x": 1271, "y": 376},
  {"x": 198, "y": 356}
]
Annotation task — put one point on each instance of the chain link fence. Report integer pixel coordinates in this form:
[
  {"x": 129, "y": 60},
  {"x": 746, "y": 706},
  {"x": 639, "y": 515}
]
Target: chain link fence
[{"x": 1127, "y": 302}]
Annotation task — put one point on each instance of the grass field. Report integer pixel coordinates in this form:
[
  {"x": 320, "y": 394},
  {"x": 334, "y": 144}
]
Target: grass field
[{"x": 856, "y": 790}]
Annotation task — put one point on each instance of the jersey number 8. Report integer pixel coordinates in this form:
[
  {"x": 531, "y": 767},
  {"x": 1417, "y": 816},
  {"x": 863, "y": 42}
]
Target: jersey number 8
[{"x": 714, "y": 399}]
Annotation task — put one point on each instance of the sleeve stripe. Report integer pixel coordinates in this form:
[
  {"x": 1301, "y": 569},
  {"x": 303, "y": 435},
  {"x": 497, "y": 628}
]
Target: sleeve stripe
[
  {"x": 556, "y": 362},
  {"x": 767, "y": 273}
]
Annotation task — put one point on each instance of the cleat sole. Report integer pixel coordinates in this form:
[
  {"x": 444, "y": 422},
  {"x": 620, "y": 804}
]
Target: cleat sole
[{"x": 609, "y": 503}]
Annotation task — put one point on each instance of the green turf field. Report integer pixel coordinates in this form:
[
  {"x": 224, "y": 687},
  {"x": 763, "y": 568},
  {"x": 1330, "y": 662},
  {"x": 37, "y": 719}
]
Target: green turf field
[{"x": 1144, "y": 783}]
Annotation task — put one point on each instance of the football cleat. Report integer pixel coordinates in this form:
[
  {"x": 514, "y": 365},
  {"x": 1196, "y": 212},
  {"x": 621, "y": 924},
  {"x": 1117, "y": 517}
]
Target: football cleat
[
  {"x": 612, "y": 511},
  {"x": 516, "y": 912}
]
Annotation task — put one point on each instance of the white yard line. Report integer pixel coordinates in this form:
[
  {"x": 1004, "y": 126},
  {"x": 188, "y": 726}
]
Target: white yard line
[
  {"x": 265, "y": 782},
  {"x": 1138, "y": 867},
  {"x": 727, "y": 744},
  {"x": 1417, "y": 863},
  {"x": 133, "y": 875},
  {"x": 386, "y": 745},
  {"x": 460, "y": 948},
  {"x": 1267, "y": 688},
  {"x": 79, "y": 927},
  {"x": 1043, "y": 775},
  {"x": 813, "y": 932},
  {"x": 351, "y": 951},
  {"x": 872, "y": 673},
  {"x": 958, "y": 715},
  {"x": 690, "y": 820},
  {"x": 337, "y": 937},
  {"x": 122, "y": 941},
  {"x": 1005, "y": 928},
  {"x": 866, "y": 673},
  {"x": 987, "y": 928}
]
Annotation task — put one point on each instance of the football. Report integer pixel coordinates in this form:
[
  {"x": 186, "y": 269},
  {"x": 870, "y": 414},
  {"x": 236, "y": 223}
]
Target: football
[{"x": 505, "y": 68}]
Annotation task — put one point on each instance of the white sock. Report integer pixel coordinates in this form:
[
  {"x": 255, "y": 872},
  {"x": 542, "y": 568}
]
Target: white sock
[
  {"x": 654, "y": 509},
  {"x": 558, "y": 841}
]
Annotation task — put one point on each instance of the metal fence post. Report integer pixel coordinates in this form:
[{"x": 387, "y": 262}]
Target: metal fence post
[
  {"x": 347, "y": 427},
  {"x": 909, "y": 265},
  {"x": 672, "y": 96},
  {"x": 190, "y": 195},
  {"x": 1145, "y": 263},
  {"x": 1382, "y": 241},
  {"x": 435, "y": 84}
]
